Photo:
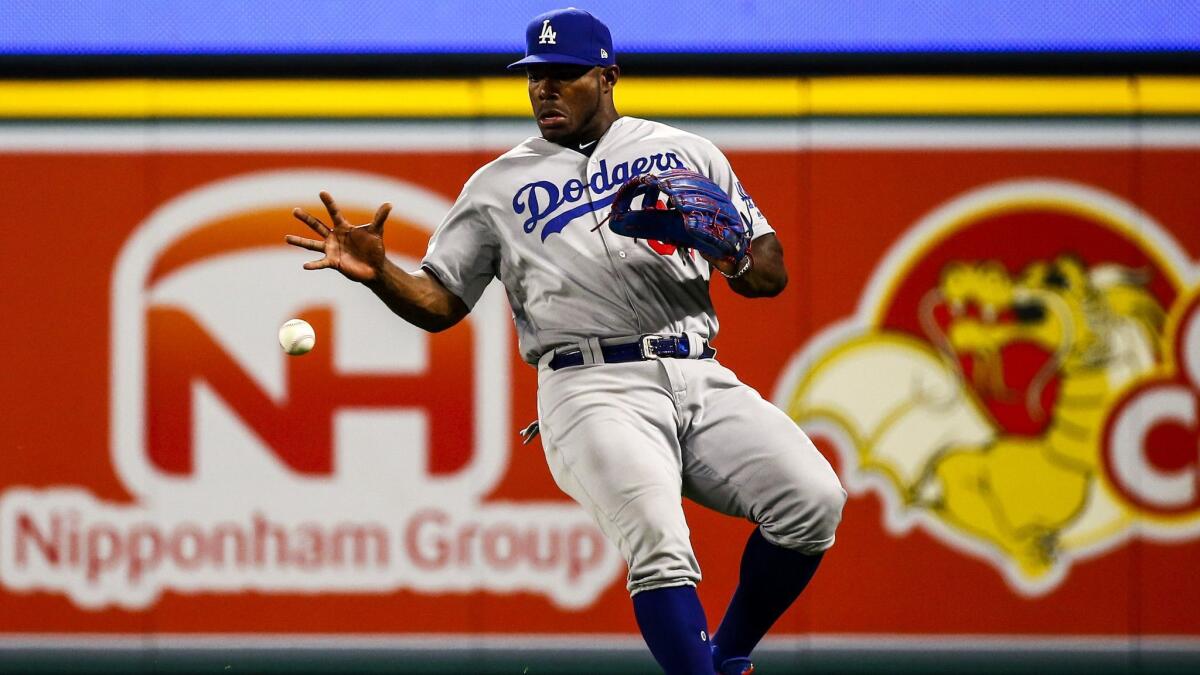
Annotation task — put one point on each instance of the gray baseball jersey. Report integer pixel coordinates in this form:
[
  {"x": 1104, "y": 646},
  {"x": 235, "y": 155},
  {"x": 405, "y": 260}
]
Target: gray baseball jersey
[
  {"x": 530, "y": 218},
  {"x": 626, "y": 440}
]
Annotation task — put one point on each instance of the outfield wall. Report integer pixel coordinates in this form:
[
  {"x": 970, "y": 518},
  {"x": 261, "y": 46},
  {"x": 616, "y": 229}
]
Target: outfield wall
[{"x": 991, "y": 330}]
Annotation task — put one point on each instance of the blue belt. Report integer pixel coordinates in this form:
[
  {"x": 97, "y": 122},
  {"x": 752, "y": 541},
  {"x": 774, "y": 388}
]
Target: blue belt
[{"x": 645, "y": 348}]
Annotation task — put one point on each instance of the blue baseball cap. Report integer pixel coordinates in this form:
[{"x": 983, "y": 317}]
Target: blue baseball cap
[{"x": 567, "y": 36}]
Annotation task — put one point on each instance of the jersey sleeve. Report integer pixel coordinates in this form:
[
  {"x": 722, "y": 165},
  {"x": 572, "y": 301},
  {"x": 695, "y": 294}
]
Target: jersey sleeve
[
  {"x": 721, "y": 173},
  {"x": 463, "y": 252}
]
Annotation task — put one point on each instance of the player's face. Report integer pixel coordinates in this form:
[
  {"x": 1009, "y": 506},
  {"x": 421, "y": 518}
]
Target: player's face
[{"x": 565, "y": 99}]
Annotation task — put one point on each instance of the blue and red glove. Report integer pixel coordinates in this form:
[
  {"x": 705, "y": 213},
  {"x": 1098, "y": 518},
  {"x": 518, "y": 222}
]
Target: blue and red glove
[{"x": 697, "y": 214}]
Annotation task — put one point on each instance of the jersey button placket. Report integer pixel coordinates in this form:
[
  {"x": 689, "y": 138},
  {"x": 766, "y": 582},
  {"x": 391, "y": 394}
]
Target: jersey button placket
[{"x": 592, "y": 166}]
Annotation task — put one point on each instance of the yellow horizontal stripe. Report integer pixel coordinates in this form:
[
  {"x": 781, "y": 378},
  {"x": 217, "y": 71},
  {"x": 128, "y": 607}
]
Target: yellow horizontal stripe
[
  {"x": 238, "y": 98},
  {"x": 680, "y": 97},
  {"x": 713, "y": 97},
  {"x": 973, "y": 96},
  {"x": 1169, "y": 95}
]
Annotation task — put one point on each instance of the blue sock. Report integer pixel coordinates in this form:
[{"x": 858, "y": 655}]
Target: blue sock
[
  {"x": 673, "y": 625},
  {"x": 771, "y": 579}
]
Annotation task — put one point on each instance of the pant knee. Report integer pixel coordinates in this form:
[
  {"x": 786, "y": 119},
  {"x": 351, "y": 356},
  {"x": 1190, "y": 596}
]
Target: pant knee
[{"x": 809, "y": 522}]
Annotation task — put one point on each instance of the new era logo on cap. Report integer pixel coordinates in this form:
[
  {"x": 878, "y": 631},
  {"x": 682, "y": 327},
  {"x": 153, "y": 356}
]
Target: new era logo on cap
[{"x": 570, "y": 36}]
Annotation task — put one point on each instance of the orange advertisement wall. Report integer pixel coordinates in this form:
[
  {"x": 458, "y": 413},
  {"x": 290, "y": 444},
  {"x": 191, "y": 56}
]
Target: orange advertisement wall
[{"x": 168, "y": 470}]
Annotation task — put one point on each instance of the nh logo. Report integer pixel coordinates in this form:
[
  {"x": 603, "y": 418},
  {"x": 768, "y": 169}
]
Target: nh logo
[{"x": 548, "y": 34}]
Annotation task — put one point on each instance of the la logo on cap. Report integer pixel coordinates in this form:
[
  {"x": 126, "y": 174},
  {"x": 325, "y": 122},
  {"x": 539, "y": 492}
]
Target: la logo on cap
[
  {"x": 585, "y": 41},
  {"x": 548, "y": 35}
]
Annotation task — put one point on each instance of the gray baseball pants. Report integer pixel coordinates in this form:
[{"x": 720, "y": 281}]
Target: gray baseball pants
[{"x": 628, "y": 440}]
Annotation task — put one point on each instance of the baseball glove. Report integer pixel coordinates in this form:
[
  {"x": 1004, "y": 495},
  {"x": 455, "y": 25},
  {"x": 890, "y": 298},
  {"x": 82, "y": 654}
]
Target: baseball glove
[{"x": 694, "y": 213}]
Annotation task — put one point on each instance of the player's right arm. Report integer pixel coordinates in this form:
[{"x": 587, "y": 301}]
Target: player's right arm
[{"x": 357, "y": 252}]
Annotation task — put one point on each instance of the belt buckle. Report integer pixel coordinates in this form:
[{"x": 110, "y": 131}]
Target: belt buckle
[{"x": 648, "y": 351}]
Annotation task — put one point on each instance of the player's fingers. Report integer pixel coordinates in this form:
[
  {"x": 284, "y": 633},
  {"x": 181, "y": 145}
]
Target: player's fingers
[
  {"x": 310, "y": 244},
  {"x": 380, "y": 218},
  {"x": 317, "y": 264},
  {"x": 334, "y": 214},
  {"x": 314, "y": 224}
]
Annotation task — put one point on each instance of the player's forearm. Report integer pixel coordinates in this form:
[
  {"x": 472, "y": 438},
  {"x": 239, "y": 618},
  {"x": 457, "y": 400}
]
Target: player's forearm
[
  {"x": 768, "y": 274},
  {"x": 418, "y": 298}
]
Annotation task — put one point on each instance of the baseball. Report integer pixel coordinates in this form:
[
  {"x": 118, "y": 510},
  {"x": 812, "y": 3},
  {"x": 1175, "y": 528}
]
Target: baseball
[{"x": 297, "y": 337}]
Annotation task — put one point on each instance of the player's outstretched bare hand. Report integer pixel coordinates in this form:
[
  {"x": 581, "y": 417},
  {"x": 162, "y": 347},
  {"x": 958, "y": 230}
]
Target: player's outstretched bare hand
[{"x": 354, "y": 250}]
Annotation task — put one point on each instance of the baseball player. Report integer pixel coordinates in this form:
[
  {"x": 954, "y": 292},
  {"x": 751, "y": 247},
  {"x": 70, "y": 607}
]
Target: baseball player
[{"x": 634, "y": 410}]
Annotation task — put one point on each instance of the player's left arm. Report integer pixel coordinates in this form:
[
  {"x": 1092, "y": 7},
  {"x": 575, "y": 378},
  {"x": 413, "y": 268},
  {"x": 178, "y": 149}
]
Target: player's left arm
[{"x": 767, "y": 275}]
